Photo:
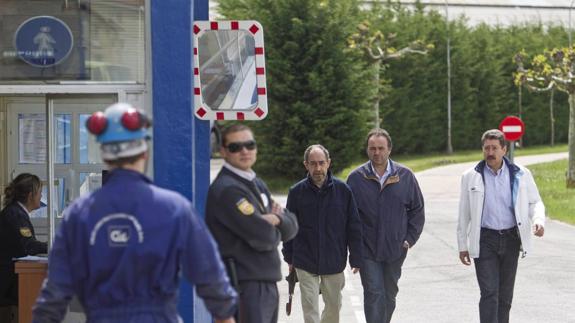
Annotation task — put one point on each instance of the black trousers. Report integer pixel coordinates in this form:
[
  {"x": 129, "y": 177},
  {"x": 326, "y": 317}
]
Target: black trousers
[
  {"x": 495, "y": 269},
  {"x": 259, "y": 302},
  {"x": 8, "y": 286}
]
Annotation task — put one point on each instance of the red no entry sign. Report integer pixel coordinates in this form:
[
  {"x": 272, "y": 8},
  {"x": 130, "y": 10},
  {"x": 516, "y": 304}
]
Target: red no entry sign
[{"x": 512, "y": 127}]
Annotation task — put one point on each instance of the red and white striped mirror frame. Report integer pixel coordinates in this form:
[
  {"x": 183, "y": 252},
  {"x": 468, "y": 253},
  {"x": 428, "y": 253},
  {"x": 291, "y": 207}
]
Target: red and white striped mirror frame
[{"x": 201, "y": 110}]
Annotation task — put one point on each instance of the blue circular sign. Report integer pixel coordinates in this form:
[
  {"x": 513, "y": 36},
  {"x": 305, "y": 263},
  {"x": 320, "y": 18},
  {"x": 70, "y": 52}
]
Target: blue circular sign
[{"x": 43, "y": 41}]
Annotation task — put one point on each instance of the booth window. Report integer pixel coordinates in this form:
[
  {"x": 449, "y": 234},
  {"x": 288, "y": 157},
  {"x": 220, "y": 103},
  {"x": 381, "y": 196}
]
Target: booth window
[
  {"x": 55, "y": 41},
  {"x": 32, "y": 138},
  {"x": 89, "y": 148}
]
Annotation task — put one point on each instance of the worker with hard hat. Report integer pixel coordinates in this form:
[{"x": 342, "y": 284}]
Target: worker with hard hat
[{"x": 121, "y": 249}]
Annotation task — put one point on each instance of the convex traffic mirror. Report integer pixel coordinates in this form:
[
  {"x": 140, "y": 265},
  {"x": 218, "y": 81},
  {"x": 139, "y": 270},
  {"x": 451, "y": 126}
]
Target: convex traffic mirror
[{"x": 229, "y": 70}]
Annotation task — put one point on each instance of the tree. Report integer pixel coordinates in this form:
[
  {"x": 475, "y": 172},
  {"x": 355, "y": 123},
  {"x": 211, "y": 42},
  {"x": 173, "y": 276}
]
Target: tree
[
  {"x": 378, "y": 52},
  {"x": 318, "y": 91},
  {"x": 554, "y": 69}
]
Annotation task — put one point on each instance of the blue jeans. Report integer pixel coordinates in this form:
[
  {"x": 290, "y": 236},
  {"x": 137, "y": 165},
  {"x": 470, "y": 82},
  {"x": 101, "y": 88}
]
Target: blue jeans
[
  {"x": 379, "y": 280},
  {"x": 495, "y": 269}
]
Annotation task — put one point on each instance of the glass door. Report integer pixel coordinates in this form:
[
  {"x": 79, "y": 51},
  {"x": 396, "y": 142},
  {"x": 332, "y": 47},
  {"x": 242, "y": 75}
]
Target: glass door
[{"x": 73, "y": 167}]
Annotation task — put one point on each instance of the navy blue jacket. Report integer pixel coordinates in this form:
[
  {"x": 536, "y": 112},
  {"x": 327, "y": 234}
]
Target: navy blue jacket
[
  {"x": 389, "y": 215},
  {"x": 17, "y": 239},
  {"x": 328, "y": 226},
  {"x": 17, "y": 236},
  {"x": 122, "y": 250}
]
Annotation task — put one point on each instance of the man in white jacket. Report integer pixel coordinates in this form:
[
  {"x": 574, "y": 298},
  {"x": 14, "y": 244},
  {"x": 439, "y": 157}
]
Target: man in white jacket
[{"x": 499, "y": 208}]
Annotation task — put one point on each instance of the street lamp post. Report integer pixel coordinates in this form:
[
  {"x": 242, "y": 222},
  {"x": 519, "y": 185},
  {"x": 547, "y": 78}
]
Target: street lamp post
[
  {"x": 570, "y": 7},
  {"x": 449, "y": 146}
]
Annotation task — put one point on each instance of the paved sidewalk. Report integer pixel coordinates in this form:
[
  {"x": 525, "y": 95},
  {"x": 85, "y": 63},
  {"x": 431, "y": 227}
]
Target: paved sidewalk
[{"x": 436, "y": 287}]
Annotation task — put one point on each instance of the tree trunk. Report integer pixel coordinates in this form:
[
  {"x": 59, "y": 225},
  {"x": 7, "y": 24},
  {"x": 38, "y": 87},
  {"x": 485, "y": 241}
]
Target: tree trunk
[{"x": 571, "y": 165}]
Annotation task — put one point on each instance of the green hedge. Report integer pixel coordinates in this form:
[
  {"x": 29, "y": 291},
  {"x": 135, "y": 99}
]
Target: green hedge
[{"x": 320, "y": 91}]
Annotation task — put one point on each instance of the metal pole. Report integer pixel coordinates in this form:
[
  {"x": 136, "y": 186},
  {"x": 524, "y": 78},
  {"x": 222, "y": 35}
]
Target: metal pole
[
  {"x": 570, "y": 7},
  {"x": 449, "y": 146},
  {"x": 521, "y": 112},
  {"x": 50, "y": 145},
  {"x": 511, "y": 150}
]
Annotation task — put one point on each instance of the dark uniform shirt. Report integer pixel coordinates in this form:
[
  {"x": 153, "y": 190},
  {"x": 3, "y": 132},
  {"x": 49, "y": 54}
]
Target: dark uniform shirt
[
  {"x": 121, "y": 250},
  {"x": 234, "y": 216},
  {"x": 17, "y": 239}
]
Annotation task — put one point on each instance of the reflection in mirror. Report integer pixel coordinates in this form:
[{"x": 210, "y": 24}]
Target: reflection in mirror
[{"x": 228, "y": 70}]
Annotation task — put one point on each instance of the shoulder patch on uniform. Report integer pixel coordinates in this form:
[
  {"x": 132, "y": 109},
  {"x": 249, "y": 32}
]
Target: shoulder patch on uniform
[
  {"x": 25, "y": 232},
  {"x": 245, "y": 207}
]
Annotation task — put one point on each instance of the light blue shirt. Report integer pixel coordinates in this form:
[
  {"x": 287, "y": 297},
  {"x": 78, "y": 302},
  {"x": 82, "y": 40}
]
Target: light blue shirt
[
  {"x": 498, "y": 211},
  {"x": 385, "y": 175}
]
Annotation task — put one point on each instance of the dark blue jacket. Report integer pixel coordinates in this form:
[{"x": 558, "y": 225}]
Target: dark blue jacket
[
  {"x": 390, "y": 215},
  {"x": 328, "y": 226},
  {"x": 122, "y": 250},
  {"x": 17, "y": 239}
]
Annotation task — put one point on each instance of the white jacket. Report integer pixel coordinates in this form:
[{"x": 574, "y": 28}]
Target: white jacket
[{"x": 529, "y": 208}]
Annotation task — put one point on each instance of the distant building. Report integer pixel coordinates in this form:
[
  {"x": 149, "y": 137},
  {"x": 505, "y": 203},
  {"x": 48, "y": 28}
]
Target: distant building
[
  {"x": 492, "y": 12},
  {"x": 502, "y": 12}
]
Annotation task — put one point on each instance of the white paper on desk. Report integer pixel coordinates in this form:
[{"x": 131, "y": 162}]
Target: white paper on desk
[{"x": 32, "y": 258}]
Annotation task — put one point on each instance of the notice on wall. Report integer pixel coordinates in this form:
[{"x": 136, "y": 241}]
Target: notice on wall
[{"x": 32, "y": 138}]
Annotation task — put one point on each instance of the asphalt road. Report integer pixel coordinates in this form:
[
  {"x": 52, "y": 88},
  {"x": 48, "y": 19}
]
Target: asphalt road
[{"x": 436, "y": 287}]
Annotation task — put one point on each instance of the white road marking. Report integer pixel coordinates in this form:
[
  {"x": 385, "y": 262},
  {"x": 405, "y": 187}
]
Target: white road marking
[
  {"x": 355, "y": 301},
  {"x": 359, "y": 317}
]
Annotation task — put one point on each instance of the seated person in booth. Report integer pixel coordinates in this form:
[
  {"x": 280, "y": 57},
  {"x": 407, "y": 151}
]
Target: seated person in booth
[
  {"x": 122, "y": 248},
  {"x": 17, "y": 238}
]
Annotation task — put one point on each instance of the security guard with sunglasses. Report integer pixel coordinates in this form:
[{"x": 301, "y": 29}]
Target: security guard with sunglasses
[
  {"x": 121, "y": 249},
  {"x": 248, "y": 226}
]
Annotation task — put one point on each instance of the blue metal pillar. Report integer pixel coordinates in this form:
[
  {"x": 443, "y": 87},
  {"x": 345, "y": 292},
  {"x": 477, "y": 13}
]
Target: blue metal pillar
[{"x": 181, "y": 142}]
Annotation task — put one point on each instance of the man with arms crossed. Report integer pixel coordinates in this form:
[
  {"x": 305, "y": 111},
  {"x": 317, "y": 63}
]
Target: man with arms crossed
[
  {"x": 391, "y": 209},
  {"x": 499, "y": 207},
  {"x": 248, "y": 226},
  {"x": 329, "y": 226}
]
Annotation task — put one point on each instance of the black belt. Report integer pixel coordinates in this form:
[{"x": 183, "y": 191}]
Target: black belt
[{"x": 502, "y": 232}]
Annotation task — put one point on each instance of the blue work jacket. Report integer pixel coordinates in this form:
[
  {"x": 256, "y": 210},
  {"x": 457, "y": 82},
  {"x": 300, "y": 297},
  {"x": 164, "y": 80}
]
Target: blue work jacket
[
  {"x": 329, "y": 226},
  {"x": 390, "y": 214},
  {"x": 121, "y": 251}
]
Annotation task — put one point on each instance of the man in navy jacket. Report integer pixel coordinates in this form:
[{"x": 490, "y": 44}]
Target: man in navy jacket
[
  {"x": 391, "y": 210},
  {"x": 329, "y": 226}
]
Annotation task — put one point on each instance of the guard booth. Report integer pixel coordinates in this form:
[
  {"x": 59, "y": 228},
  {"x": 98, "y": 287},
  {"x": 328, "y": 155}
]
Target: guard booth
[{"x": 61, "y": 60}]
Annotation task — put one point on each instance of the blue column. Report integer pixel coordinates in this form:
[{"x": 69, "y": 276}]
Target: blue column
[
  {"x": 201, "y": 130},
  {"x": 181, "y": 142}
]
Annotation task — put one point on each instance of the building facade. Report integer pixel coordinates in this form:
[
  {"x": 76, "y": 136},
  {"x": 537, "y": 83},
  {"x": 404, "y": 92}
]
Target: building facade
[{"x": 61, "y": 60}]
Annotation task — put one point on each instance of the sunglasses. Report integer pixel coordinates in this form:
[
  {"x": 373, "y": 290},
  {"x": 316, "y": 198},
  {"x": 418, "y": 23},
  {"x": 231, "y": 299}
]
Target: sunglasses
[{"x": 235, "y": 147}]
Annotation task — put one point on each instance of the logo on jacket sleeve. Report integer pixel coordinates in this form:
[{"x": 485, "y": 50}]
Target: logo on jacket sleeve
[
  {"x": 245, "y": 207},
  {"x": 25, "y": 232}
]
